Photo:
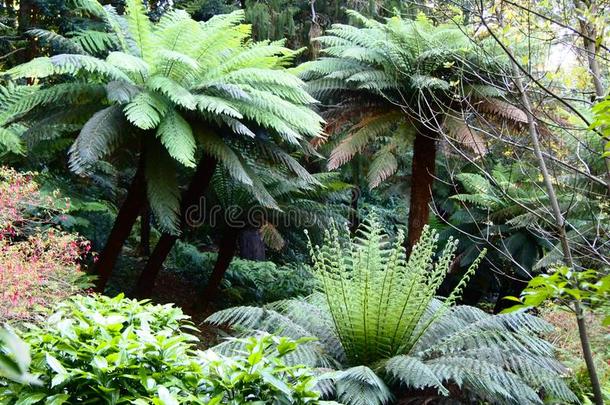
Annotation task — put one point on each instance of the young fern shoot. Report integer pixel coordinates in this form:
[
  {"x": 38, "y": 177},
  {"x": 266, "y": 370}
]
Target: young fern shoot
[{"x": 380, "y": 300}]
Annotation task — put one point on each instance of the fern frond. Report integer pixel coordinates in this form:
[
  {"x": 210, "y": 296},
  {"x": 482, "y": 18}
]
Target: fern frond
[
  {"x": 216, "y": 147},
  {"x": 361, "y": 386},
  {"x": 162, "y": 188},
  {"x": 413, "y": 373},
  {"x": 70, "y": 64},
  {"x": 98, "y": 137},
  {"x": 146, "y": 110},
  {"x": 57, "y": 41},
  {"x": 140, "y": 29},
  {"x": 361, "y": 135},
  {"x": 173, "y": 91},
  {"x": 384, "y": 165},
  {"x": 94, "y": 42},
  {"x": 176, "y": 135}
]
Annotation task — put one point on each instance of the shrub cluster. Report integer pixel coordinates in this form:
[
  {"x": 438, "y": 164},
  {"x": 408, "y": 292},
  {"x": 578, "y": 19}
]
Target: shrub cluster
[{"x": 96, "y": 349}]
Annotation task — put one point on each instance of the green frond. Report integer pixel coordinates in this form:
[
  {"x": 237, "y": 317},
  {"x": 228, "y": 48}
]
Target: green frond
[
  {"x": 56, "y": 41},
  {"x": 162, "y": 188},
  {"x": 128, "y": 63},
  {"x": 70, "y": 64},
  {"x": 94, "y": 42},
  {"x": 54, "y": 123},
  {"x": 140, "y": 29},
  {"x": 383, "y": 165},
  {"x": 501, "y": 387},
  {"x": 214, "y": 146},
  {"x": 176, "y": 30},
  {"x": 169, "y": 60},
  {"x": 146, "y": 110},
  {"x": 176, "y": 135},
  {"x": 278, "y": 155},
  {"x": 121, "y": 92},
  {"x": 10, "y": 140},
  {"x": 429, "y": 82},
  {"x": 377, "y": 308},
  {"x": 173, "y": 91},
  {"x": 65, "y": 93},
  {"x": 92, "y": 7},
  {"x": 360, "y": 386},
  {"x": 98, "y": 137},
  {"x": 216, "y": 105},
  {"x": 413, "y": 373}
]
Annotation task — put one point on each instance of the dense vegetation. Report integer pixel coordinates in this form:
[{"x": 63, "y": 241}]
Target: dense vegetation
[{"x": 294, "y": 201}]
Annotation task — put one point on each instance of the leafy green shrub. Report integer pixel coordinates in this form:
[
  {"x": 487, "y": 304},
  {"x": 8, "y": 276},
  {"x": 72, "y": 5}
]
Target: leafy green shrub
[
  {"x": 95, "y": 349},
  {"x": 378, "y": 321},
  {"x": 98, "y": 348},
  {"x": 15, "y": 358},
  {"x": 259, "y": 373}
]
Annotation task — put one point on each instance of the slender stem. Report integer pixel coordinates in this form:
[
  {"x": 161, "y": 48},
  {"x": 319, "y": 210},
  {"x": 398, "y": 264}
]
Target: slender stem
[{"x": 560, "y": 225}]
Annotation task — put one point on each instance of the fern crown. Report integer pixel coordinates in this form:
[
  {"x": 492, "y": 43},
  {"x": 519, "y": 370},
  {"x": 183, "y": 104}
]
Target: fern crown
[
  {"x": 179, "y": 85},
  {"x": 387, "y": 81}
]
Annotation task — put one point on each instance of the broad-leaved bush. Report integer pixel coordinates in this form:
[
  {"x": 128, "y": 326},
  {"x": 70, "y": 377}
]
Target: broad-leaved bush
[{"x": 96, "y": 349}]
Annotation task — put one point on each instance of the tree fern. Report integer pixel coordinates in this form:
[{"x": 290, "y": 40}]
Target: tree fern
[
  {"x": 378, "y": 317},
  {"x": 394, "y": 68},
  {"x": 169, "y": 78}
]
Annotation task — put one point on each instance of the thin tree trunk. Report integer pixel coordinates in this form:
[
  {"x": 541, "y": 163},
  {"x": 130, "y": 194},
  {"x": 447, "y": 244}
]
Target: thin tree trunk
[
  {"x": 561, "y": 230},
  {"x": 422, "y": 178},
  {"x": 126, "y": 218},
  {"x": 196, "y": 189},
  {"x": 226, "y": 251},
  {"x": 144, "y": 247},
  {"x": 26, "y": 20},
  {"x": 589, "y": 33}
]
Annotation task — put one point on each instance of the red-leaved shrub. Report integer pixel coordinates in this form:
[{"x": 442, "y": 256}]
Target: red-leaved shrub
[{"x": 39, "y": 264}]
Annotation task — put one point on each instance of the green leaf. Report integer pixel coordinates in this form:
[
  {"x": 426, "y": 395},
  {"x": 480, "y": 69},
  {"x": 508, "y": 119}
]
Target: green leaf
[
  {"x": 165, "y": 397},
  {"x": 146, "y": 110},
  {"x": 162, "y": 188},
  {"x": 55, "y": 364},
  {"x": 28, "y": 399},
  {"x": 57, "y": 399}
]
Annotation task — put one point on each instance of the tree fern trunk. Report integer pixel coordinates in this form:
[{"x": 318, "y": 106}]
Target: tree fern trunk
[
  {"x": 251, "y": 245},
  {"x": 144, "y": 248},
  {"x": 126, "y": 218},
  {"x": 422, "y": 178},
  {"x": 196, "y": 190},
  {"x": 26, "y": 20},
  {"x": 226, "y": 251}
]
